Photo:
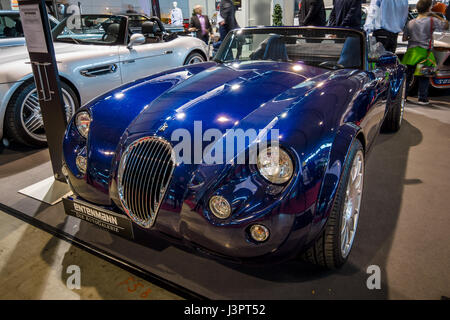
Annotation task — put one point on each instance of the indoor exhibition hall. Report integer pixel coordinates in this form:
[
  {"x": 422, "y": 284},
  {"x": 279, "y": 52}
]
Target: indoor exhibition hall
[{"x": 252, "y": 150}]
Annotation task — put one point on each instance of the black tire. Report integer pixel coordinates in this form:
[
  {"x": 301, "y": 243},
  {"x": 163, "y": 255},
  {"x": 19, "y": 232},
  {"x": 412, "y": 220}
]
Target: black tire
[
  {"x": 326, "y": 251},
  {"x": 194, "y": 57},
  {"x": 393, "y": 120},
  {"x": 15, "y": 128}
]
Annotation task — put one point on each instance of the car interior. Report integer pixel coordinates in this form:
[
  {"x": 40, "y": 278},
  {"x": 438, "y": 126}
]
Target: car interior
[{"x": 321, "y": 50}]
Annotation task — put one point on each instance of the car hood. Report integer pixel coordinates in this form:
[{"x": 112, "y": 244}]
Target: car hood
[
  {"x": 15, "y": 61},
  {"x": 222, "y": 96}
]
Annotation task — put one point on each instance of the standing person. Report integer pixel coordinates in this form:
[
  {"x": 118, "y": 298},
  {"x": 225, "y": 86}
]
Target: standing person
[
  {"x": 386, "y": 19},
  {"x": 200, "y": 24},
  {"x": 419, "y": 33},
  {"x": 312, "y": 13},
  {"x": 228, "y": 12},
  {"x": 131, "y": 9},
  {"x": 221, "y": 26},
  {"x": 346, "y": 13}
]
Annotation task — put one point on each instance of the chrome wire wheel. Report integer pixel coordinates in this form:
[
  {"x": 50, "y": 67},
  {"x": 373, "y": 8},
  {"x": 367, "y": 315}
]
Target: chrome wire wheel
[
  {"x": 31, "y": 115},
  {"x": 194, "y": 58},
  {"x": 352, "y": 204}
]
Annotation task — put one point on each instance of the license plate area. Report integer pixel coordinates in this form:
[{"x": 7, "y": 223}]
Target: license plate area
[{"x": 102, "y": 218}]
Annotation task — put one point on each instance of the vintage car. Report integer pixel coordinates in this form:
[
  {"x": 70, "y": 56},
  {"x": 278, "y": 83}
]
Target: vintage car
[
  {"x": 94, "y": 55},
  {"x": 11, "y": 31},
  {"x": 317, "y": 107}
]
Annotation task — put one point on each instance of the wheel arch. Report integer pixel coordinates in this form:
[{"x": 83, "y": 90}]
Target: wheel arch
[
  {"x": 196, "y": 50},
  {"x": 19, "y": 84},
  {"x": 343, "y": 141}
]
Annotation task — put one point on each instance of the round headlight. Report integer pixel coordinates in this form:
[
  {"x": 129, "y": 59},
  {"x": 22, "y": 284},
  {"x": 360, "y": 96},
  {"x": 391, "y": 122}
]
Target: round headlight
[
  {"x": 83, "y": 121},
  {"x": 275, "y": 165}
]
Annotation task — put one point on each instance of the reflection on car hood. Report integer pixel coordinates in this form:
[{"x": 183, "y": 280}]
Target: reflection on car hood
[{"x": 235, "y": 91}]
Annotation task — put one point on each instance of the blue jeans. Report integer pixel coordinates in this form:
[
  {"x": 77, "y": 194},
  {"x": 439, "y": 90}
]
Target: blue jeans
[{"x": 424, "y": 83}]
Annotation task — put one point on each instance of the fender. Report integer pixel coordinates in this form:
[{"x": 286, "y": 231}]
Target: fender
[
  {"x": 343, "y": 141},
  {"x": 15, "y": 86}
]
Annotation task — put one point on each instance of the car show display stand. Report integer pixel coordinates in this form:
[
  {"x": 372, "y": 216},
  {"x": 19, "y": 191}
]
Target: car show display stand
[
  {"x": 182, "y": 270},
  {"x": 49, "y": 190}
]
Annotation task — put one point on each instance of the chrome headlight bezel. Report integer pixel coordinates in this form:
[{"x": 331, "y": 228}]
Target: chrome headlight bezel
[
  {"x": 276, "y": 172},
  {"x": 82, "y": 123}
]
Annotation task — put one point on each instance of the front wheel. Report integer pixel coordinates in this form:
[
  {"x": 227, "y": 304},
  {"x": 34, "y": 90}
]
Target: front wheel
[
  {"x": 332, "y": 248},
  {"x": 23, "y": 117},
  {"x": 193, "y": 58},
  {"x": 394, "y": 118}
]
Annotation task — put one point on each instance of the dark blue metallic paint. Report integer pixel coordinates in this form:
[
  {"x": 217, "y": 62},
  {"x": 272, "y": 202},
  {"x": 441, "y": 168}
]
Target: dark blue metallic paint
[{"x": 319, "y": 114}]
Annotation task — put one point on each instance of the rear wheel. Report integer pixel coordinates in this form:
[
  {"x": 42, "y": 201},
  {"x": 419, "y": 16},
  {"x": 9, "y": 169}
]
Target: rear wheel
[
  {"x": 332, "y": 248},
  {"x": 193, "y": 58},
  {"x": 394, "y": 118},
  {"x": 23, "y": 119}
]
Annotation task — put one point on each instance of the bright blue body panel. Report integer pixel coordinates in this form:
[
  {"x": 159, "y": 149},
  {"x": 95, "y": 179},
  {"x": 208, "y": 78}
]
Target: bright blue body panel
[{"x": 318, "y": 112}]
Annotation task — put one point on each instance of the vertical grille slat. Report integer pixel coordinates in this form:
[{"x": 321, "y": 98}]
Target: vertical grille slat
[
  {"x": 159, "y": 185},
  {"x": 144, "y": 174},
  {"x": 138, "y": 188}
]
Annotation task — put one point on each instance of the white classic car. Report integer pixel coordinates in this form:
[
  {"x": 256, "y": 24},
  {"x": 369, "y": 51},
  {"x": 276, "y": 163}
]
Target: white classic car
[
  {"x": 11, "y": 31},
  {"x": 100, "y": 53}
]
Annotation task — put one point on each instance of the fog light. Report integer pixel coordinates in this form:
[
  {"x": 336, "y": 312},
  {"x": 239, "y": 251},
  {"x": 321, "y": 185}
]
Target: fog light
[
  {"x": 259, "y": 233},
  {"x": 220, "y": 207},
  {"x": 81, "y": 164}
]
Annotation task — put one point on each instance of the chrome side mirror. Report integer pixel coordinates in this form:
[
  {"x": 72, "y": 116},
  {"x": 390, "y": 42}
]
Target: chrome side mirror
[{"x": 136, "y": 39}]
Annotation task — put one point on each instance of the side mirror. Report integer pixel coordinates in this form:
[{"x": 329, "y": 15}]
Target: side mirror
[
  {"x": 387, "y": 60},
  {"x": 136, "y": 39}
]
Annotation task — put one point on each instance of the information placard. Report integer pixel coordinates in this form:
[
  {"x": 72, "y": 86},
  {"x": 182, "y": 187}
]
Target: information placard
[{"x": 32, "y": 27}]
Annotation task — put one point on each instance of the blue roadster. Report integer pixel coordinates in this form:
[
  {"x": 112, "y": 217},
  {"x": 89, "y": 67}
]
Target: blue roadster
[{"x": 154, "y": 157}]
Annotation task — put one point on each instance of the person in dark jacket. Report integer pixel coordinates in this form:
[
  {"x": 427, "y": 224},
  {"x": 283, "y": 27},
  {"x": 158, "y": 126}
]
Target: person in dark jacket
[
  {"x": 312, "y": 13},
  {"x": 346, "y": 13},
  {"x": 228, "y": 11},
  {"x": 200, "y": 24}
]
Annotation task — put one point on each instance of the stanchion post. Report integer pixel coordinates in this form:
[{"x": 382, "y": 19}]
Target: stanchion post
[{"x": 39, "y": 41}]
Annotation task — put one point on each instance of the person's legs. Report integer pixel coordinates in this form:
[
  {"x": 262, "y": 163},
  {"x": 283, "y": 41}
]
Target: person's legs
[
  {"x": 222, "y": 32},
  {"x": 387, "y": 39},
  {"x": 424, "y": 83}
]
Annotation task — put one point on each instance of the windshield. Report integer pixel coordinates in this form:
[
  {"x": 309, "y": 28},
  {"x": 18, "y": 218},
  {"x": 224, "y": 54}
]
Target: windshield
[
  {"x": 91, "y": 29},
  {"x": 322, "y": 47}
]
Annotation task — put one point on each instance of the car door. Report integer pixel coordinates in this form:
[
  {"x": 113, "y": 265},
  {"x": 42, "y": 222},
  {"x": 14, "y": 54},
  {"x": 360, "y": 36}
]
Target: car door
[
  {"x": 379, "y": 91},
  {"x": 146, "y": 59}
]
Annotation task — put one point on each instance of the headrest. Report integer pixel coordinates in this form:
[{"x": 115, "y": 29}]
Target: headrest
[
  {"x": 147, "y": 27},
  {"x": 113, "y": 28}
]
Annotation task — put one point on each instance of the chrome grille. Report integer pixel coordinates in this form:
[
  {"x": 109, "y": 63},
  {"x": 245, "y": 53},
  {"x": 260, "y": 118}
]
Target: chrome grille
[{"x": 144, "y": 174}]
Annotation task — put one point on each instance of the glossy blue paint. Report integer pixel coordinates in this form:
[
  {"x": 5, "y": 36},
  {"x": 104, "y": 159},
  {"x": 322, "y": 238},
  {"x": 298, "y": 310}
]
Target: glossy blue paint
[{"x": 319, "y": 113}]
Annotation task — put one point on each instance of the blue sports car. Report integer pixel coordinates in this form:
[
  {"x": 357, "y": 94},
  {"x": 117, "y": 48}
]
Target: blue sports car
[{"x": 255, "y": 156}]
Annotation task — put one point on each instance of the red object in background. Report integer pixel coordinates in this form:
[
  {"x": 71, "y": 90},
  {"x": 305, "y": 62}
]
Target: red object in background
[{"x": 439, "y": 7}]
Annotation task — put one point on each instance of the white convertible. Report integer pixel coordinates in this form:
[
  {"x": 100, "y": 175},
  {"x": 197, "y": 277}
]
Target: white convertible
[{"x": 95, "y": 55}]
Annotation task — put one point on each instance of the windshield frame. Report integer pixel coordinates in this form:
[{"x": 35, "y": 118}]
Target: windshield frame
[
  {"x": 121, "y": 39},
  {"x": 288, "y": 31}
]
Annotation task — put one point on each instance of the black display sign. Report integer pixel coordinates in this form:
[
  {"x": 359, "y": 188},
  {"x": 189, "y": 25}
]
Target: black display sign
[
  {"x": 34, "y": 17},
  {"x": 104, "y": 219}
]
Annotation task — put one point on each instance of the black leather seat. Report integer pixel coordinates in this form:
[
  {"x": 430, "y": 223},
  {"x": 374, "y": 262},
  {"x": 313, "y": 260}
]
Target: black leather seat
[
  {"x": 276, "y": 49},
  {"x": 112, "y": 33},
  {"x": 148, "y": 30}
]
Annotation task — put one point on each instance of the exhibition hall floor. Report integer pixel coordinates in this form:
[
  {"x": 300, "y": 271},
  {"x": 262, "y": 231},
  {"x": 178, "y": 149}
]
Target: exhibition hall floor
[{"x": 403, "y": 230}]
